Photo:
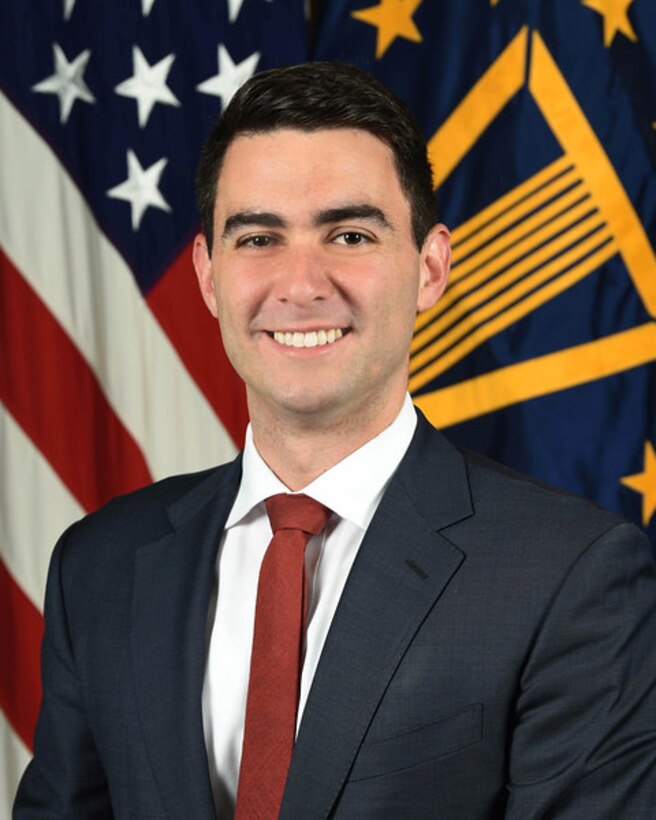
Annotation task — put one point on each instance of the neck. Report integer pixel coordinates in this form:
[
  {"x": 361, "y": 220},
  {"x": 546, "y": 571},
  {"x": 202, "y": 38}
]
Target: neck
[{"x": 298, "y": 450}]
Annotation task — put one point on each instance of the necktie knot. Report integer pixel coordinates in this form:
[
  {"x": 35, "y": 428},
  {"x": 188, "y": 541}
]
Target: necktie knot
[{"x": 296, "y": 512}]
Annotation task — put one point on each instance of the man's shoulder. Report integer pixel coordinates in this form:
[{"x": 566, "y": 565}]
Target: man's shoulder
[
  {"x": 148, "y": 514},
  {"x": 516, "y": 533},
  {"x": 503, "y": 492},
  {"x": 510, "y": 508},
  {"x": 540, "y": 533}
]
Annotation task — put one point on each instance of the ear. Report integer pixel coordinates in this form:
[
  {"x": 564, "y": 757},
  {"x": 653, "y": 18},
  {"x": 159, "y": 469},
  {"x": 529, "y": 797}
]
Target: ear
[
  {"x": 203, "y": 267},
  {"x": 435, "y": 263}
]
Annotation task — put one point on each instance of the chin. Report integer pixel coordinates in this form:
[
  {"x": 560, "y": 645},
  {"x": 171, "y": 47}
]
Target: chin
[
  {"x": 307, "y": 405},
  {"x": 309, "y": 402}
]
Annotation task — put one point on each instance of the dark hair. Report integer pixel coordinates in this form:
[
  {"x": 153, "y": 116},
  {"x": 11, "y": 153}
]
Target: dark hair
[{"x": 312, "y": 96}]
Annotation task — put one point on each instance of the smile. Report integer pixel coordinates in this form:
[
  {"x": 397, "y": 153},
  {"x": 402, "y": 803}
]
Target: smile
[{"x": 315, "y": 338}]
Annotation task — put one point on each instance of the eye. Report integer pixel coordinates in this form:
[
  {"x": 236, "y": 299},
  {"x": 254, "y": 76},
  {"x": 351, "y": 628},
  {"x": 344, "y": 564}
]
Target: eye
[
  {"x": 259, "y": 240},
  {"x": 351, "y": 238}
]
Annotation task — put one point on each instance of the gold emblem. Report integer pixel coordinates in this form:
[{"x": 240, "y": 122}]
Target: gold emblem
[{"x": 530, "y": 245}]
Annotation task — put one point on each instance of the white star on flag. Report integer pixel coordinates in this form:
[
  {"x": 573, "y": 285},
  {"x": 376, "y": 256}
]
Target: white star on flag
[
  {"x": 148, "y": 84},
  {"x": 234, "y": 7},
  {"x": 230, "y": 76},
  {"x": 69, "y": 5},
  {"x": 140, "y": 188},
  {"x": 146, "y": 6},
  {"x": 67, "y": 82}
]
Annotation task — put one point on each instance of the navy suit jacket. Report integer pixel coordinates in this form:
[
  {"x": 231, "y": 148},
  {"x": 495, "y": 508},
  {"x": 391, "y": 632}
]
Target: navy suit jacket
[{"x": 493, "y": 655}]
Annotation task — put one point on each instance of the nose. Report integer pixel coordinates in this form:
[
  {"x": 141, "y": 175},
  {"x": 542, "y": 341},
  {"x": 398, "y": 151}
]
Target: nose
[{"x": 303, "y": 277}]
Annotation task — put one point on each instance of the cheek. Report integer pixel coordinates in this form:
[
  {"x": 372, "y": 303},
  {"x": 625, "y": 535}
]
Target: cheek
[
  {"x": 233, "y": 321},
  {"x": 394, "y": 298},
  {"x": 237, "y": 295},
  {"x": 380, "y": 280}
]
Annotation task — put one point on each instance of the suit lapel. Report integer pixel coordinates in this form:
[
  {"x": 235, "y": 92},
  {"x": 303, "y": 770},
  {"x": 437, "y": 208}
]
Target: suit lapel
[
  {"x": 173, "y": 583},
  {"x": 402, "y": 566}
]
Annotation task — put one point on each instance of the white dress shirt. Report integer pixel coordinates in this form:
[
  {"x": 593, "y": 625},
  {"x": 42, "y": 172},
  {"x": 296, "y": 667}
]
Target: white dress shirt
[{"x": 352, "y": 489}]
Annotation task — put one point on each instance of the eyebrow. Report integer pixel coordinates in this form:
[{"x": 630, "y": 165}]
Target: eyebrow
[
  {"x": 245, "y": 218},
  {"x": 347, "y": 212},
  {"x": 267, "y": 219}
]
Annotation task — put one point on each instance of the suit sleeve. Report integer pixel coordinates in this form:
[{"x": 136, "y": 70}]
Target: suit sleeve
[
  {"x": 65, "y": 778},
  {"x": 583, "y": 743}
]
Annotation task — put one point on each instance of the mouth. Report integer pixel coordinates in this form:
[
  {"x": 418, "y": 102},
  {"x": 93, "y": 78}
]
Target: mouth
[{"x": 313, "y": 338}]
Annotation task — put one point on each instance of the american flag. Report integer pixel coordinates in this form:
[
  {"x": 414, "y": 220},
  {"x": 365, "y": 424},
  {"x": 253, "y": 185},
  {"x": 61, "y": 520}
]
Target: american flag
[{"x": 111, "y": 371}]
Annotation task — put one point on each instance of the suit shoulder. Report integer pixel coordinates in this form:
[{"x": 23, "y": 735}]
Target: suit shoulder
[
  {"x": 528, "y": 506},
  {"x": 129, "y": 520}
]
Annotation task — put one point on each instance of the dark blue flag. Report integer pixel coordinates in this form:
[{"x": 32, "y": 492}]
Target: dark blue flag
[{"x": 540, "y": 118}]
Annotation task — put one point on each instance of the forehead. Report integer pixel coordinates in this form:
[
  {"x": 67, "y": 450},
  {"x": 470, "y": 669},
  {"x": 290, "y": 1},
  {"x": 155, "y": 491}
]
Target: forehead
[{"x": 289, "y": 162}]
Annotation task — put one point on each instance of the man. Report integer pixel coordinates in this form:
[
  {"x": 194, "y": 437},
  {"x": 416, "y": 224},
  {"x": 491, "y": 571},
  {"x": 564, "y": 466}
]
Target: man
[{"x": 476, "y": 645}]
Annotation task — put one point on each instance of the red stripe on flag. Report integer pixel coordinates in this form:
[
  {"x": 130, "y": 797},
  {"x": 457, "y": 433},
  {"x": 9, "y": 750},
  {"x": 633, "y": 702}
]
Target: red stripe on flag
[
  {"x": 179, "y": 308},
  {"x": 21, "y": 632},
  {"x": 54, "y": 395}
]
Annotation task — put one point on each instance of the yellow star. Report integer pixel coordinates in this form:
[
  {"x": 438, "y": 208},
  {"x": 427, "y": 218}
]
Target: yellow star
[
  {"x": 645, "y": 483},
  {"x": 392, "y": 18},
  {"x": 616, "y": 18}
]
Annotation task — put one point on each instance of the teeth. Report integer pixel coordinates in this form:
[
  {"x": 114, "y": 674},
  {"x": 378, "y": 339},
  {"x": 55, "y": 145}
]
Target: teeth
[{"x": 315, "y": 338}]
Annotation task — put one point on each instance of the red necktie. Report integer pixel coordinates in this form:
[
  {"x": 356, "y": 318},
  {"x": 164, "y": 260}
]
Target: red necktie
[{"x": 274, "y": 683}]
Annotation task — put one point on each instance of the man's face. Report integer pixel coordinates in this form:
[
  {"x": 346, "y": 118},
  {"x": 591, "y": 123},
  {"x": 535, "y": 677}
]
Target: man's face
[{"x": 314, "y": 274}]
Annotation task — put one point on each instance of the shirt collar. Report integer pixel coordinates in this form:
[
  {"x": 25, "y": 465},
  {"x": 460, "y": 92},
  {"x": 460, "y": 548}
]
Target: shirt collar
[{"x": 352, "y": 488}]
